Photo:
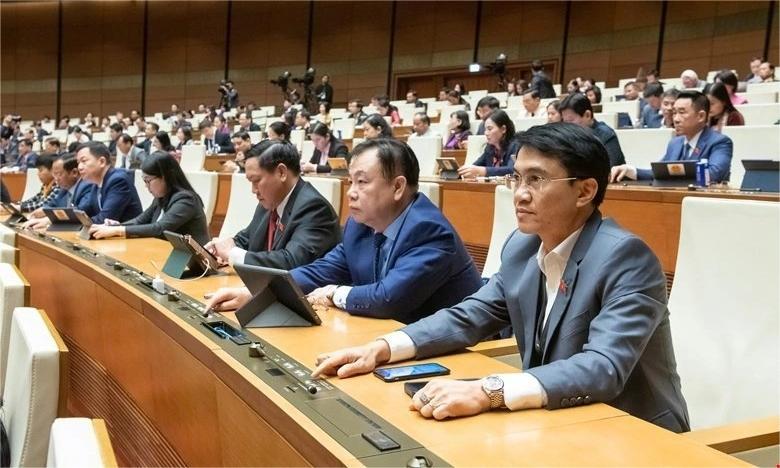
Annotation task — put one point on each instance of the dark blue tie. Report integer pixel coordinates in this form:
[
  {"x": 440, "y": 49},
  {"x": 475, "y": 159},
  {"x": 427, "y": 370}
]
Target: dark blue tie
[
  {"x": 686, "y": 149},
  {"x": 379, "y": 239}
]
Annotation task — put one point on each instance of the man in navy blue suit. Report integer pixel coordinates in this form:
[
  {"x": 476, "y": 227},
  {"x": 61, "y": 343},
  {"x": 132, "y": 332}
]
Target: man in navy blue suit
[
  {"x": 399, "y": 258},
  {"x": 695, "y": 141},
  {"x": 115, "y": 198}
]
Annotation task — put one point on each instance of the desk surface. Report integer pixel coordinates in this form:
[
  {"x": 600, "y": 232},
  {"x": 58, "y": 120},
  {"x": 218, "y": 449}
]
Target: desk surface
[{"x": 184, "y": 384}]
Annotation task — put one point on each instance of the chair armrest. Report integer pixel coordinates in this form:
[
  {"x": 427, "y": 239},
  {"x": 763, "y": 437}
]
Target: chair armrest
[
  {"x": 495, "y": 348},
  {"x": 738, "y": 437}
]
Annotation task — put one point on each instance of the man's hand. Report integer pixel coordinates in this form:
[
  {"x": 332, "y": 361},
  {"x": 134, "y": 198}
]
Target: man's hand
[
  {"x": 624, "y": 171},
  {"x": 445, "y": 398},
  {"x": 322, "y": 296},
  {"x": 308, "y": 167},
  {"x": 100, "y": 231},
  {"x": 38, "y": 224},
  {"x": 220, "y": 248},
  {"x": 36, "y": 214},
  {"x": 352, "y": 361},
  {"x": 471, "y": 172},
  {"x": 228, "y": 298}
]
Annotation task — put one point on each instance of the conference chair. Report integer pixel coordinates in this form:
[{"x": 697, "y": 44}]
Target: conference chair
[
  {"x": 7, "y": 235},
  {"x": 193, "y": 157},
  {"x": 514, "y": 113},
  {"x": 475, "y": 146},
  {"x": 255, "y": 137},
  {"x": 297, "y": 137},
  {"x": 344, "y": 129},
  {"x": 206, "y": 185},
  {"x": 9, "y": 254},
  {"x": 307, "y": 150},
  {"x": 14, "y": 292},
  {"x": 608, "y": 94},
  {"x": 35, "y": 390},
  {"x": 608, "y": 118},
  {"x": 427, "y": 149},
  {"x": 759, "y": 97},
  {"x": 724, "y": 315},
  {"x": 80, "y": 443},
  {"x": 771, "y": 87},
  {"x": 102, "y": 137},
  {"x": 143, "y": 192},
  {"x": 434, "y": 109},
  {"x": 644, "y": 146},
  {"x": 501, "y": 96},
  {"x": 60, "y": 134},
  {"x": 629, "y": 107},
  {"x": 329, "y": 188},
  {"x": 760, "y": 114},
  {"x": 430, "y": 190},
  {"x": 32, "y": 184},
  {"x": 473, "y": 126},
  {"x": 241, "y": 206},
  {"x": 557, "y": 88},
  {"x": 525, "y": 123},
  {"x": 514, "y": 102},
  {"x": 504, "y": 223},
  {"x": 757, "y": 142}
]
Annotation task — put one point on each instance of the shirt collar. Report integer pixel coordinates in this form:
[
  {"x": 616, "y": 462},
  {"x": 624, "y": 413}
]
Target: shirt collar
[
  {"x": 693, "y": 141},
  {"x": 283, "y": 204},
  {"x": 395, "y": 227},
  {"x": 561, "y": 252}
]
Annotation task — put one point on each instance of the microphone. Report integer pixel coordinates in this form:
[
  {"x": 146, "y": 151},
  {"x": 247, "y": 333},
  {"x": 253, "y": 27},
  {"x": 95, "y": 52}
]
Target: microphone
[{"x": 256, "y": 350}]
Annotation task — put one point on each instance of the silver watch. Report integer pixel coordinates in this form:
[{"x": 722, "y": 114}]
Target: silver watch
[{"x": 493, "y": 386}]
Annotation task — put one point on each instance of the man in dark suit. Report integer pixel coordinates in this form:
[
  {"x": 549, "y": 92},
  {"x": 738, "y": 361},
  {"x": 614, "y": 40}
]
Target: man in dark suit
[
  {"x": 246, "y": 124},
  {"x": 115, "y": 197},
  {"x": 324, "y": 91},
  {"x": 540, "y": 81},
  {"x": 215, "y": 142},
  {"x": 695, "y": 141},
  {"x": 150, "y": 131},
  {"x": 293, "y": 224},
  {"x": 576, "y": 108},
  {"x": 587, "y": 301},
  {"x": 400, "y": 258},
  {"x": 128, "y": 156},
  {"x": 115, "y": 130}
]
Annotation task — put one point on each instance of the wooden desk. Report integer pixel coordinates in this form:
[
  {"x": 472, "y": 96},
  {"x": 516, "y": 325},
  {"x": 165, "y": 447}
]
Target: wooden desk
[
  {"x": 14, "y": 182},
  {"x": 215, "y": 163},
  {"x": 172, "y": 396}
]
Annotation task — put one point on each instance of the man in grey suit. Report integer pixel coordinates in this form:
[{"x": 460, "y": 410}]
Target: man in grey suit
[
  {"x": 128, "y": 156},
  {"x": 587, "y": 301}
]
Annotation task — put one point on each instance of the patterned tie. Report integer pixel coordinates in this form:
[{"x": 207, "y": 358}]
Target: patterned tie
[
  {"x": 686, "y": 151},
  {"x": 272, "y": 222},
  {"x": 379, "y": 239}
]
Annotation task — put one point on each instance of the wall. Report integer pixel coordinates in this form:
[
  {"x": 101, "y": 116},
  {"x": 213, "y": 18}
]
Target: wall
[{"x": 103, "y": 60}]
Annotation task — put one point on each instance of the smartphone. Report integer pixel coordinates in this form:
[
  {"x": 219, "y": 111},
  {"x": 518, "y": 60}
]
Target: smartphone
[
  {"x": 410, "y": 388},
  {"x": 416, "y": 371}
]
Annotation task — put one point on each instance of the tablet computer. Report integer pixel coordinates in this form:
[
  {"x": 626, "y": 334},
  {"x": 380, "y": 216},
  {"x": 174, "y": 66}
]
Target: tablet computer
[
  {"x": 674, "y": 173},
  {"x": 188, "y": 257},
  {"x": 338, "y": 166},
  {"x": 16, "y": 215},
  {"x": 66, "y": 219}
]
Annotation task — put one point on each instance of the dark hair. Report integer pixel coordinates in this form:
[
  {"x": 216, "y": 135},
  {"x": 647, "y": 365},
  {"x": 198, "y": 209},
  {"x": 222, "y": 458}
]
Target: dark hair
[
  {"x": 423, "y": 117},
  {"x": 165, "y": 141},
  {"x": 154, "y": 125},
  {"x": 242, "y": 134},
  {"x": 117, "y": 127},
  {"x": 454, "y": 93},
  {"x": 276, "y": 153},
  {"x": 577, "y": 103},
  {"x": 489, "y": 101},
  {"x": 463, "y": 116},
  {"x": 73, "y": 147},
  {"x": 698, "y": 99},
  {"x": 163, "y": 165},
  {"x": 501, "y": 119},
  {"x": 379, "y": 123},
  {"x": 533, "y": 92},
  {"x": 69, "y": 161},
  {"x": 653, "y": 90},
  {"x": 54, "y": 141},
  {"x": 206, "y": 122},
  {"x": 321, "y": 129},
  {"x": 281, "y": 129},
  {"x": 395, "y": 157},
  {"x": 413, "y": 92},
  {"x": 672, "y": 93},
  {"x": 630, "y": 83},
  {"x": 96, "y": 149},
  {"x": 45, "y": 160},
  {"x": 575, "y": 148},
  {"x": 653, "y": 72},
  {"x": 26, "y": 141},
  {"x": 383, "y": 102},
  {"x": 537, "y": 65},
  {"x": 187, "y": 131},
  {"x": 719, "y": 92},
  {"x": 461, "y": 86},
  {"x": 326, "y": 104},
  {"x": 357, "y": 102},
  {"x": 728, "y": 77},
  {"x": 125, "y": 138},
  {"x": 596, "y": 90}
]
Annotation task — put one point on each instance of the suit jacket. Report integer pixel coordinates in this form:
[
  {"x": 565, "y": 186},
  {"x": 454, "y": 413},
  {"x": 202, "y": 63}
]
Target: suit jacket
[
  {"x": 118, "y": 199},
  {"x": 541, "y": 82},
  {"x": 145, "y": 145},
  {"x": 310, "y": 229},
  {"x": 82, "y": 198},
  {"x": 337, "y": 150},
  {"x": 713, "y": 146},
  {"x": 508, "y": 156},
  {"x": 135, "y": 158},
  {"x": 609, "y": 139},
  {"x": 183, "y": 214},
  {"x": 428, "y": 267},
  {"x": 607, "y": 336},
  {"x": 223, "y": 141},
  {"x": 651, "y": 118}
]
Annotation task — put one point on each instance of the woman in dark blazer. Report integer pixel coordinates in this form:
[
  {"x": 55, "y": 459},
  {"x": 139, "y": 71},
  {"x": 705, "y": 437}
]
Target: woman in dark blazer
[
  {"x": 324, "y": 144},
  {"x": 500, "y": 151},
  {"x": 176, "y": 206}
]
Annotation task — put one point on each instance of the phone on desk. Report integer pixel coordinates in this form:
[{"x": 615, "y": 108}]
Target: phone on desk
[
  {"x": 416, "y": 371},
  {"x": 410, "y": 388}
]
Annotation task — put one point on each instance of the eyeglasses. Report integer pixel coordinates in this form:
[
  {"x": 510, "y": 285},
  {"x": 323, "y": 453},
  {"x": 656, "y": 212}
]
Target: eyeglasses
[
  {"x": 536, "y": 183},
  {"x": 148, "y": 180}
]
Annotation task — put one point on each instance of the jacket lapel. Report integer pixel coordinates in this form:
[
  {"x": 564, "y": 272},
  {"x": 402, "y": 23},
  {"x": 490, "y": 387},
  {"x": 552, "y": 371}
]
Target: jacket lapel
[
  {"x": 569, "y": 278},
  {"x": 285, "y": 219},
  {"x": 528, "y": 299}
]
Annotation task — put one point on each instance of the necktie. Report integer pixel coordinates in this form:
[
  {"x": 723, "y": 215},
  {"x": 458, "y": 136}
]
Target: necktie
[
  {"x": 272, "y": 221},
  {"x": 100, "y": 199},
  {"x": 379, "y": 239},
  {"x": 537, "y": 352},
  {"x": 68, "y": 199},
  {"x": 686, "y": 151}
]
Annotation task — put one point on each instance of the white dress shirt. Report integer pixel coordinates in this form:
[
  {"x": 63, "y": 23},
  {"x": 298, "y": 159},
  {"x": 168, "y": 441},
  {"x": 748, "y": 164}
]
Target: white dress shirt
[{"x": 237, "y": 254}]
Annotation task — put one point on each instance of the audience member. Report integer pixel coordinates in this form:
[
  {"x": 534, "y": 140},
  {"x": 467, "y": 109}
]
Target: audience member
[
  {"x": 667, "y": 107},
  {"x": 755, "y": 64},
  {"x": 443, "y": 93},
  {"x": 540, "y": 81},
  {"x": 728, "y": 78},
  {"x": 454, "y": 98},
  {"x": 385, "y": 109},
  {"x": 355, "y": 108},
  {"x": 532, "y": 105},
  {"x": 149, "y": 132},
  {"x": 375, "y": 126},
  {"x": 411, "y": 98},
  {"x": 690, "y": 80},
  {"x": 246, "y": 124},
  {"x": 593, "y": 94},
  {"x": 162, "y": 142},
  {"x": 278, "y": 131},
  {"x": 115, "y": 131},
  {"x": 575, "y": 108},
  {"x": 52, "y": 145},
  {"x": 325, "y": 146},
  {"x": 303, "y": 121},
  {"x": 26, "y": 157},
  {"x": 128, "y": 156},
  {"x": 722, "y": 111},
  {"x": 460, "y": 129},
  {"x": 184, "y": 135},
  {"x": 114, "y": 197},
  {"x": 215, "y": 142},
  {"x": 500, "y": 150},
  {"x": 553, "y": 114},
  {"x": 652, "y": 115},
  {"x": 767, "y": 72},
  {"x": 49, "y": 190},
  {"x": 324, "y": 116},
  {"x": 324, "y": 91},
  {"x": 421, "y": 126},
  {"x": 485, "y": 106}
]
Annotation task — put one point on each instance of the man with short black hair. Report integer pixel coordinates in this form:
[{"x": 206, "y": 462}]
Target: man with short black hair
[
  {"x": 485, "y": 107},
  {"x": 532, "y": 105},
  {"x": 576, "y": 108},
  {"x": 324, "y": 91},
  {"x": 755, "y": 64},
  {"x": 767, "y": 72},
  {"x": 695, "y": 141},
  {"x": 421, "y": 126},
  {"x": 246, "y": 124},
  {"x": 540, "y": 81},
  {"x": 150, "y": 131},
  {"x": 355, "y": 108},
  {"x": 586, "y": 299},
  {"x": 411, "y": 98},
  {"x": 52, "y": 145},
  {"x": 115, "y": 198},
  {"x": 26, "y": 158},
  {"x": 128, "y": 156},
  {"x": 215, "y": 142},
  {"x": 652, "y": 115},
  {"x": 667, "y": 107},
  {"x": 293, "y": 224}
]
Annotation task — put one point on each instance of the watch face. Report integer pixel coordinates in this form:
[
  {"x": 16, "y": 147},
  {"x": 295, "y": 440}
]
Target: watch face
[{"x": 493, "y": 383}]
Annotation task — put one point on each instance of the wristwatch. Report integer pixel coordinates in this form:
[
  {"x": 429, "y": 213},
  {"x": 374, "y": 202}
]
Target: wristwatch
[{"x": 493, "y": 386}]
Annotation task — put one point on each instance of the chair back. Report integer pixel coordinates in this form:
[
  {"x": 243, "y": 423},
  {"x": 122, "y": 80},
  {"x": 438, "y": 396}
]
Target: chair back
[
  {"x": 427, "y": 149},
  {"x": 144, "y": 194},
  {"x": 14, "y": 292},
  {"x": 241, "y": 206},
  {"x": 193, "y": 157},
  {"x": 504, "y": 223},
  {"x": 430, "y": 190},
  {"x": 475, "y": 146},
  {"x": 756, "y": 142},
  {"x": 329, "y": 188},
  {"x": 32, "y": 184},
  {"x": 644, "y": 146},
  {"x": 80, "y": 442},
  {"x": 206, "y": 185}
]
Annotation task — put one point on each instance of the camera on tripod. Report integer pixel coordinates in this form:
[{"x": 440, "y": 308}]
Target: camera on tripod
[
  {"x": 282, "y": 81},
  {"x": 307, "y": 79}
]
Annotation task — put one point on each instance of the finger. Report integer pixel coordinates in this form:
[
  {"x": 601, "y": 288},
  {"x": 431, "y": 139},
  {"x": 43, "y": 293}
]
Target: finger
[
  {"x": 329, "y": 365},
  {"x": 426, "y": 411},
  {"x": 353, "y": 368},
  {"x": 441, "y": 411}
]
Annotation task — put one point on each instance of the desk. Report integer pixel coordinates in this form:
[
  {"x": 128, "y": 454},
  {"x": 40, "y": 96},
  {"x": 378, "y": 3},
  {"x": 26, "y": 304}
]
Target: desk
[
  {"x": 14, "y": 182},
  {"x": 172, "y": 394}
]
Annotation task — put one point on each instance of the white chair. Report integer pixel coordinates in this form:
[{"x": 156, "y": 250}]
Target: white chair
[
  {"x": 644, "y": 146},
  {"x": 434, "y": 109},
  {"x": 175, "y": 141},
  {"x": 206, "y": 185},
  {"x": 501, "y": 96},
  {"x": 760, "y": 114},
  {"x": 32, "y": 395},
  {"x": 329, "y": 188},
  {"x": 430, "y": 190},
  {"x": 557, "y": 88},
  {"x": 102, "y": 137},
  {"x": 670, "y": 83},
  {"x": 607, "y": 94},
  {"x": 297, "y": 137},
  {"x": 758, "y": 142},
  {"x": 255, "y": 137},
  {"x": 526, "y": 123},
  {"x": 771, "y": 87},
  {"x": 759, "y": 98},
  {"x": 478, "y": 93},
  {"x": 514, "y": 102},
  {"x": 61, "y": 135},
  {"x": 241, "y": 206},
  {"x": 79, "y": 443},
  {"x": 427, "y": 149},
  {"x": 629, "y": 107},
  {"x": 608, "y": 118},
  {"x": 724, "y": 309},
  {"x": 473, "y": 126},
  {"x": 14, "y": 292},
  {"x": 7, "y": 235},
  {"x": 32, "y": 184},
  {"x": 475, "y": 146},
  {"x": 193, "y": 157},
  {"x": 143, "y": 192},
  {"x": 344, "y": 128},
  {"x": 307, "y": 151},
  {"x": 504, "y": 223},
  {"x": 624, "y": 81},
  {"x": 514, "y": 114},
  {"x": 9, "y": 254}
]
